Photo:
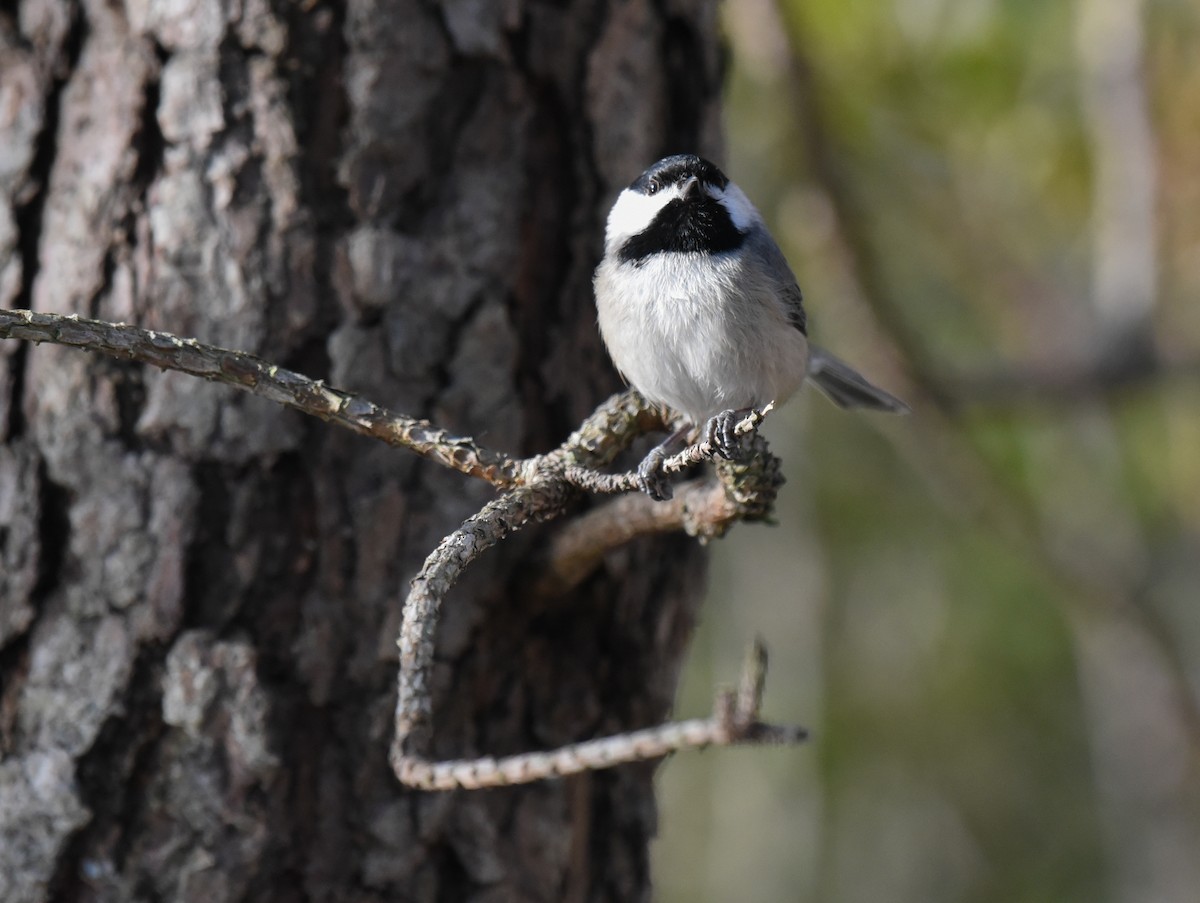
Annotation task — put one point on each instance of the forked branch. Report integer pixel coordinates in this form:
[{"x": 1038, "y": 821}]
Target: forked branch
[{"x": 539, "y": 488}]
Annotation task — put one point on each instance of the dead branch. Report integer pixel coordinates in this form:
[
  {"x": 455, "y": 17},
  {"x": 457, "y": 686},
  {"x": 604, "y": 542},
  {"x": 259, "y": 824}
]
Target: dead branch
[
  {"x": 256, "y": 376},
  {"x": 704, "y": 508},
  {"x": 539, "y": 488},
  {"x": 745, "y": 490},
  {"x": 497, "y": 520},
  {"x": 734, "y": 721},
  {"x": 588, "y": 479}
]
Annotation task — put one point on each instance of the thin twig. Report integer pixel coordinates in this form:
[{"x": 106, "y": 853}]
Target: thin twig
[
  {"x": 580, "y": 545},
  {"x": 588, "y": 479},
  {"x": 744, "y": 490},
  {"x": 735, "y": 720},
  {"x": 497, "y": 520},
  {"x": 256, "y": 376}
]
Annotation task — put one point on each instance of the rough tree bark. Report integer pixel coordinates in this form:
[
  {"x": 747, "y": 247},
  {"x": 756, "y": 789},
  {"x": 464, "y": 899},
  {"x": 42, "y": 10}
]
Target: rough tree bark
[{"x": 199, "y": 591}]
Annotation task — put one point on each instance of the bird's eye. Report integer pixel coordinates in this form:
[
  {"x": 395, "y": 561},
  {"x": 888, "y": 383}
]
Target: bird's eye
[{"x": 652, "y": 186}]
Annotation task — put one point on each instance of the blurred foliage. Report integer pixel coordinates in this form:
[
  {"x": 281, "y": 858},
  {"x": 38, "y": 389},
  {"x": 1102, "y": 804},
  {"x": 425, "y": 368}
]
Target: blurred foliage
[{"x": 987, "y": 612}]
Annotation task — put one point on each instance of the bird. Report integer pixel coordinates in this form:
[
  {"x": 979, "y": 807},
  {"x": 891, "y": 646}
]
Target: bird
[{"x": 700, "y": 311}]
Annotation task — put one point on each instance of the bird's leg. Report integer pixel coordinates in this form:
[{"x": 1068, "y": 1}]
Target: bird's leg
[
  {"x": 721, "y": 431},
  {"x": 654, "y": 482}
]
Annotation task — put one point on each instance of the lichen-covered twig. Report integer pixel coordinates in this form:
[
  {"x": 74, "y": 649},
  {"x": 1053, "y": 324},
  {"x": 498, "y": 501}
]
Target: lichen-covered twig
[
  {"x": 735, "y": 720},
  {"x": 537, "y": 488},
  {"x": 745, "y": 490},
  {"x": 581, "y": 544},
  {"x": 254, "y": 375},
  {"x": 705, "y": 508},
  {"x": 496, "y": 520},
  {"x": 588, "y": 479}
]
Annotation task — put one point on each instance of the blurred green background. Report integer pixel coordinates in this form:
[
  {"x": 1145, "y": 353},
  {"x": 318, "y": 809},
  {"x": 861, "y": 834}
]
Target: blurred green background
[{"x": 987, "y": 612}]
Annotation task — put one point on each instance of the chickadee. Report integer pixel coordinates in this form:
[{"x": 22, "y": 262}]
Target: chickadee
[{"x": 700, "y": 311}]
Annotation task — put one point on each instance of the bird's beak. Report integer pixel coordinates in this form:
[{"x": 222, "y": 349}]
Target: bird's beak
[{"x": 691, "y": 189}]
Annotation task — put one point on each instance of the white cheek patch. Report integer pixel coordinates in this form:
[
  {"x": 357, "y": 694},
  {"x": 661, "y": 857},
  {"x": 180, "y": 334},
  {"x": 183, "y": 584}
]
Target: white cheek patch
[
  {"x": 634, "y": 212},
  {"x": 741, "y": 211}
]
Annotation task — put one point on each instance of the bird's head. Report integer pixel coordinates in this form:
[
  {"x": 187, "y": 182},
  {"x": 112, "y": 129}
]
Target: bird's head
[{"x": 681, "y": 204}]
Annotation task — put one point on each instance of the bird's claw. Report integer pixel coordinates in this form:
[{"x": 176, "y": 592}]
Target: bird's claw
[
  {"x": 721, "y": 432},
  {"x": 651, "y": 478}
]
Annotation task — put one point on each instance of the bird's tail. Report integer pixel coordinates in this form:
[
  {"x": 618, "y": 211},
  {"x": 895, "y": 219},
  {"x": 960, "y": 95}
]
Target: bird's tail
[{"x": 846, "y": 387}]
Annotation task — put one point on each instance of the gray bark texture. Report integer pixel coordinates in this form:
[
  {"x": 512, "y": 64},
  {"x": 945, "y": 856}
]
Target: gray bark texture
[{"x": 199, "y": 591}]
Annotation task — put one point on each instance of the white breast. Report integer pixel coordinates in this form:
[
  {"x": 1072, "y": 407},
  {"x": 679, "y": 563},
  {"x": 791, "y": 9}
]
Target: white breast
[{"x": 699, "y": 333}]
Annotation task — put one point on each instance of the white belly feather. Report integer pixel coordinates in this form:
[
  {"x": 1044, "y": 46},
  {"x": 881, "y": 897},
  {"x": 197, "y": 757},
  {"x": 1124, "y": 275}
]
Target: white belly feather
[{"x": 682, "y": 335}]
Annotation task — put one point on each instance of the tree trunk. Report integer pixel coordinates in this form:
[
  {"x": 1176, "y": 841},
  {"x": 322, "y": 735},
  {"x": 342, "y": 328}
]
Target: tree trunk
[{"x": 199, "y": 591}]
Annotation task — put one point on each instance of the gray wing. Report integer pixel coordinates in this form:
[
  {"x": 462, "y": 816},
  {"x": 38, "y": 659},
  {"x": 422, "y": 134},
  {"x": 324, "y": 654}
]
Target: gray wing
[
  {"x": 774, "y": 266},
  {"x": 845, "y": 386}
]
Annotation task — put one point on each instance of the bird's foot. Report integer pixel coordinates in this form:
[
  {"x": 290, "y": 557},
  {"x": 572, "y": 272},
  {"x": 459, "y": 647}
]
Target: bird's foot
[
  {"x": 651, "y": 478},
  {"x": 721, "y": 432}
]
